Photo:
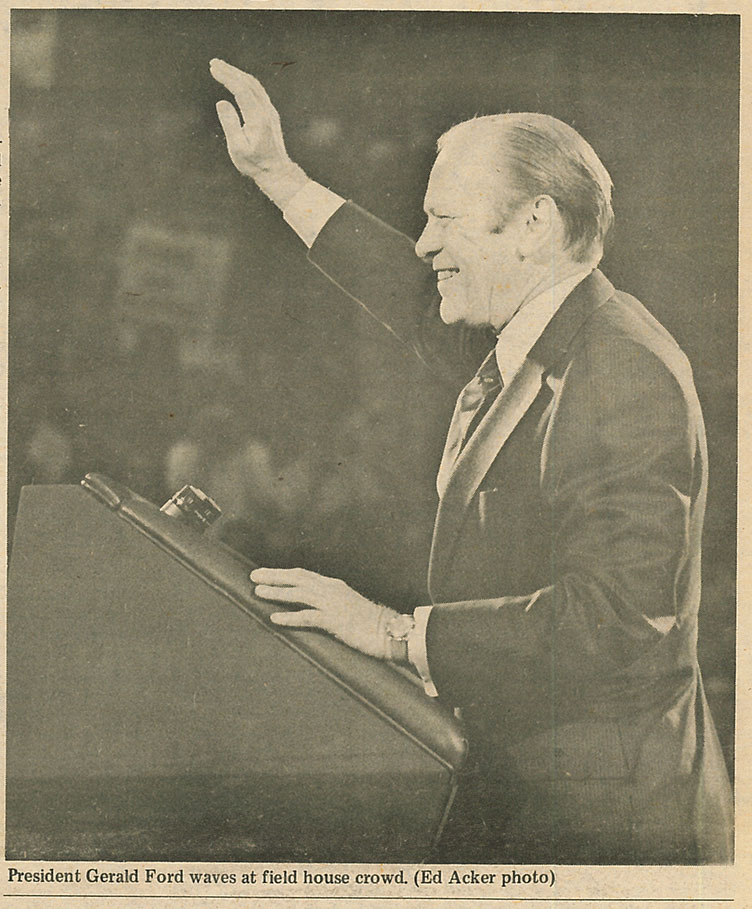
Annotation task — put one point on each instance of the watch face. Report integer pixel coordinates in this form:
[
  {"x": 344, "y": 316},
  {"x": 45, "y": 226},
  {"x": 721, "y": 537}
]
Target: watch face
[{"x": 399, "y": 627}]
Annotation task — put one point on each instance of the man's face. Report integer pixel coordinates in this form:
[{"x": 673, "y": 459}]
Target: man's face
[{"x": 478, "y": 271}]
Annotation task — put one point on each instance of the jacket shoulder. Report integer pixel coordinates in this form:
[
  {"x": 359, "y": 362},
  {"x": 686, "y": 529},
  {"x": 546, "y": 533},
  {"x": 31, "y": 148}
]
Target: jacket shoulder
[
  {"x": 627, "y": 381},
  {"x": 622, "y": 331}
]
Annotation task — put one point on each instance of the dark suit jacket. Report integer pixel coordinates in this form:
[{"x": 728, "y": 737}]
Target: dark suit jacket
[{"x": 565, "y": 573}]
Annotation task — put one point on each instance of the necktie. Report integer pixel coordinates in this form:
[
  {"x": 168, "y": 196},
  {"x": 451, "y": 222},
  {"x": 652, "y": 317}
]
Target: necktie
[{"x": 472, "y": 404}]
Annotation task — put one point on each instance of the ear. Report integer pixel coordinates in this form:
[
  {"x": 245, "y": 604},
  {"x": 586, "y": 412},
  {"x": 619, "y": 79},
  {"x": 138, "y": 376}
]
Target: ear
[{"x": 541, "y": 221}]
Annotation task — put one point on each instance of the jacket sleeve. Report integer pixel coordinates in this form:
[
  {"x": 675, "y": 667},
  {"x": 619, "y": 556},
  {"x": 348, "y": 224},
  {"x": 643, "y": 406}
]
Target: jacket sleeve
[
  {"x": 377, "y": 267},
  {"x": 623, "y": 476}
]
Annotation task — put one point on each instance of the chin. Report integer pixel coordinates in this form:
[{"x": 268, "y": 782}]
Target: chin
[
  {"x": 454, "y": 311},
  {"x": 451, "y": 310},
  {"x": 448, "y": 315}
]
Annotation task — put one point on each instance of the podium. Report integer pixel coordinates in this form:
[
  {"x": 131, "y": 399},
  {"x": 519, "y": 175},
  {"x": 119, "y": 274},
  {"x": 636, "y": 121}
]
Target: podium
[{"x": 155, "y": 713}]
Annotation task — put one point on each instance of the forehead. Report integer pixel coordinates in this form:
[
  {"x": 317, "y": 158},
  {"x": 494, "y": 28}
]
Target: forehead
[{"x": 464, "y": 178}]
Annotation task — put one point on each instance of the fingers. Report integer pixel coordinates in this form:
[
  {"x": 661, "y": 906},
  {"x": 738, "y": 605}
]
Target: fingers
[
  {"x": 248, "y": 91},
  {"x": 306, "y": 618},
  {"x": 235, "y": 79},
  {"x": 284, "y": 595},
  {"x": 285, "y": 577},
  {"x": 288, "y": 585}
]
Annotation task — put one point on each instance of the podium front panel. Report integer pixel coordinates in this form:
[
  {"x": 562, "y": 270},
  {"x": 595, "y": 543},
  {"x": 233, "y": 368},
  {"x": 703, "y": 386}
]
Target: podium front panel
[{"x": 151, "y": 717}]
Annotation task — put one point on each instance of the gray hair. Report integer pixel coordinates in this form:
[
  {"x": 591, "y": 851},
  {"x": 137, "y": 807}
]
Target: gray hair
[{"x": 540, "y": 155}]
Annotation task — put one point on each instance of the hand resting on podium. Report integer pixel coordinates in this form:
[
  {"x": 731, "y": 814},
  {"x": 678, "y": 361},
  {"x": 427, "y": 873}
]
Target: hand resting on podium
[{"x": 332, "y": 606}]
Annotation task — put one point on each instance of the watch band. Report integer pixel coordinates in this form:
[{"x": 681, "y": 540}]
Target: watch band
[{"x": 398, "y": 630}]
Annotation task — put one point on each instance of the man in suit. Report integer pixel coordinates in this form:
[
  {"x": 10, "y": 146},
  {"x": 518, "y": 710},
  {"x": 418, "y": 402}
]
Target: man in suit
[{"x": 565, "y": 564}]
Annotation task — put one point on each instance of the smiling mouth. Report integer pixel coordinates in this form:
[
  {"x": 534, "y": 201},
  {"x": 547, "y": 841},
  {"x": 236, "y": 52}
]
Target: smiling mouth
[{"x": 444, "y": 274}]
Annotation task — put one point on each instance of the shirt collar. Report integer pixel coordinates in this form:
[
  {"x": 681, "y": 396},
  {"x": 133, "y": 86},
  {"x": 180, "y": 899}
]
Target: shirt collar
[{"x": 518, "y": 336}]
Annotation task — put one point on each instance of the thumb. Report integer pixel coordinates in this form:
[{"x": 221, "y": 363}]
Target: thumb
[{"x": 230, "y": 122}]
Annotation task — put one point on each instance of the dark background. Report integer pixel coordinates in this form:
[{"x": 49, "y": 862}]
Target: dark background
[{"x": 165, "y": 326}]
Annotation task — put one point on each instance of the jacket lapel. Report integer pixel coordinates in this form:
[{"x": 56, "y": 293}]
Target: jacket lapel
[{"x": 503, "y": 416}]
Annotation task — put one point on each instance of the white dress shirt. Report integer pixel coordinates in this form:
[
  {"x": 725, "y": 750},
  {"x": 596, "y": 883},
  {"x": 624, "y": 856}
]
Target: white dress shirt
[
  {"x": 309, "y": 210},
  {"x": 307, "y": 213}
]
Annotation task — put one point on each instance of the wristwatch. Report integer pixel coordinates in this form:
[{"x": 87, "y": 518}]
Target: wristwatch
[{"x": 398, "y": 630}]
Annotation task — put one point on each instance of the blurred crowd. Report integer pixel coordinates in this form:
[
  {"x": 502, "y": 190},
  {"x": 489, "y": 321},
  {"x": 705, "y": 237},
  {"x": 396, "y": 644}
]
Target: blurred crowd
[{"x": 327, "y": 496}]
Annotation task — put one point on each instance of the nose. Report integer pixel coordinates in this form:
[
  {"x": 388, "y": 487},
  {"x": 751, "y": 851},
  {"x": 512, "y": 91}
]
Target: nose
[{"x": 428, "y": 242}]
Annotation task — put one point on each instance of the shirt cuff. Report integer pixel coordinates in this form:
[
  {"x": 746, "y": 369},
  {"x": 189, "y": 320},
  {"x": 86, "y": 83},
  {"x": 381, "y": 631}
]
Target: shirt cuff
[
  {"x": 416, "y": 649},
  {"x": 309, "y": 210}
]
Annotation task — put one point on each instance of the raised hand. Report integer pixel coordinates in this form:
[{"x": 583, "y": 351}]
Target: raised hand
[
  {"x": 255, "y": 142},
  {"x": 332, "y": 606}
]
